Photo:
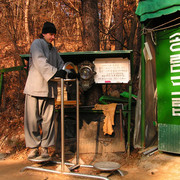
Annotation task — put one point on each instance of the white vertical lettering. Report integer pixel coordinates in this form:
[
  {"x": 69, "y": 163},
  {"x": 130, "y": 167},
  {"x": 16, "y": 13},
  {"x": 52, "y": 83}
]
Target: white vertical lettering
[
  {"x": 175, "y": 59},
  {"x": 176, "y": 34},
  {"x": 175, "y": 112},
  {"x": 175, "y": 102},
  {"x": 175, "y": 93},
  {"x": 177, "y": 39},
  {"x": 174, "y": 68},
  {"x": 175, "y": 77},
  {"x": 175, "y": 83},
  {"x": 176, "y": 48}
]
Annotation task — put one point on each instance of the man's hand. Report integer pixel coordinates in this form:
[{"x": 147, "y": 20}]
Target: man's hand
[
  {"x": 61, "y": 73},
  {"x": 72, "y": 74}
]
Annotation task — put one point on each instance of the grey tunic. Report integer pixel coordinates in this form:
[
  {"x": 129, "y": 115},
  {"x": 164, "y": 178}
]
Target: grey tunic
[
  {"x": 40, "y": 93},
  {"x": 43, "y": 64}
]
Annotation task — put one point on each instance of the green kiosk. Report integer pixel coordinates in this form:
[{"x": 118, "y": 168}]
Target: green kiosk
[{"x": 160, "y": 74}]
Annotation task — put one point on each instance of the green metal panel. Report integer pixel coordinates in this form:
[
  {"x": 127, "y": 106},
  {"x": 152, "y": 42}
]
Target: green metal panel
[
  {"x": 77, "y": 57},
  {"x": 169, "y": 138},
  {"x": 16, "y": 68},
  {"x": 168, "y": 89},
  {"x": 168, "y": 76},
  {"x": 149, "y": 9}
]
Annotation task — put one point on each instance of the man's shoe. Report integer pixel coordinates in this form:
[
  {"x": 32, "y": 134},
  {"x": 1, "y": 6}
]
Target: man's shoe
[
  {"x": 33, "y": 153},
  {"x": 44, "y": 152}
]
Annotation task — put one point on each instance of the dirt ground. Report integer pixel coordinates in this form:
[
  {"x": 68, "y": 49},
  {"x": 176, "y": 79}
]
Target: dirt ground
[{"x": 159, "y": 165}]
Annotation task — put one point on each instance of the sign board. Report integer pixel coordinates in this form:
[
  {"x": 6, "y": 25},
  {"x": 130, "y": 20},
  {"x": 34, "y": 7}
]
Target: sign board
[
  {"x": 168, "y": 76},
  {"x": 112, "y": 70},
  {"x": 168, "y": 89}
]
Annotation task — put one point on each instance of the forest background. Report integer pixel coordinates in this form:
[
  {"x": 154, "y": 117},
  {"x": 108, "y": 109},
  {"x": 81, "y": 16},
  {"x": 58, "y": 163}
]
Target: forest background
[{"x": 82, "y": 25}]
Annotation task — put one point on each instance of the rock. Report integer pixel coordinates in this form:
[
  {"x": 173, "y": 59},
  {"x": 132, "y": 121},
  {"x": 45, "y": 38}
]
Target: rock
[
  {"x": 153, "y": 171},
  {"x": 2, "y": 156}
]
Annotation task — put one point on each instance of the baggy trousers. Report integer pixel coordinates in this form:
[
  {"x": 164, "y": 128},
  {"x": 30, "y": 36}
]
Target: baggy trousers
[{"x": 39, "y": 114}]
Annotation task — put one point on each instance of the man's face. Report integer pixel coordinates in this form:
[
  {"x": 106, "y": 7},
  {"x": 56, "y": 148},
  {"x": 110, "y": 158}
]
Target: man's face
[{"x": 49, "y": 37}]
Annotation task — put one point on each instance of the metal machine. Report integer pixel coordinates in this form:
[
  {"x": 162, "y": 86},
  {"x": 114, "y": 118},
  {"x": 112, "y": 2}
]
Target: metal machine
[
  {"x": 64, "y": 167},
  {"x": 86, "y": 71}
]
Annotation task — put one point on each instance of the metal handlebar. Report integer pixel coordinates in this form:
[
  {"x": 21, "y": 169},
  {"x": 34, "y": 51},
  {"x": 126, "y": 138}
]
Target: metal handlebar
[{"x": 70, "y": 63}]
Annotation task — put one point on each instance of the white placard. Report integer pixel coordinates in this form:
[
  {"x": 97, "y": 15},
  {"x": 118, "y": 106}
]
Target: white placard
[{"x": 112, "y": 70}]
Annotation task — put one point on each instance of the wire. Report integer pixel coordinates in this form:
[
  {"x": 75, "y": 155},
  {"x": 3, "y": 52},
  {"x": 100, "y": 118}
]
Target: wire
[
  {"x": 167, "y": 27},
  {"x": 167, "y": 22},
  {"x": 155, "y": 28},
  {"x": 152, "y": 30}
]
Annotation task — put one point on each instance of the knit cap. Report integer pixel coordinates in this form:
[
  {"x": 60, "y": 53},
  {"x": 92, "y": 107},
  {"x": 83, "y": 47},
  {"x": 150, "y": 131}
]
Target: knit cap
[{"x": 48, "y": 27}]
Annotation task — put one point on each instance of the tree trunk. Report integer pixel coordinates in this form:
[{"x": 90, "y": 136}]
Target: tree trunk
[
  {"x": 90, "y": 25},
  {"x": 119, "y": 24},
  {"x": 90, "y": 22},
  {"x": 108, "y": 4},
  {"x": 27, "y": 24},
  {"x": 132, "y": 33}
]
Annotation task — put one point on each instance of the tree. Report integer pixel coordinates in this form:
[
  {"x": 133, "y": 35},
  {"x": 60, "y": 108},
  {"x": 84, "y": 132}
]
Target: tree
[
  {"x": 90, "y": 22},
  {"x": 106, "y": 23},
  {"x": 119, "y": 9},
  {"x": 9, "y": 27},
  {"x": 26, "y": 15}
]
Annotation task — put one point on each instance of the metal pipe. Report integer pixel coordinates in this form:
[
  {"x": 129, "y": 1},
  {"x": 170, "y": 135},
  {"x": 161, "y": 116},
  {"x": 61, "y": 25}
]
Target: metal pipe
[
  {"x": 120, "y": 172},
  {"x": 72, "y": 164},
  {"x": 65, "y": 173},
  {"x": 129, "y": 118},
  {"x": 62, "y": 124},
  {"x": 77, "y": 109},
  {"x": 77, "y": 121},
  {"x": 150, "y": 150}
]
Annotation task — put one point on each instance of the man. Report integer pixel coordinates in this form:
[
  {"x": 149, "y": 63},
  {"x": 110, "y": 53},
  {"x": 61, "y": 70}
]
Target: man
[{"x": 44, "y": 64}]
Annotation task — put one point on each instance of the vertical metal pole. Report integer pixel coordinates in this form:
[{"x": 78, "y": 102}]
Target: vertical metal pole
[
  {"x": 129, "y": 118},
  {"x": 121, "y": 124},
  {"x": 77, "y": 120},
  {"x": 62, "y": 124},
  {"x": 142, "y": 92},
  {"x": 129, "y": 106}
]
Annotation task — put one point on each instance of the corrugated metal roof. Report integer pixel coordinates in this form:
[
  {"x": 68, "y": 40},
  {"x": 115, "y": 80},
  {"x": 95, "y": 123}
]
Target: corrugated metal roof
[{"x": 148, "y": 9}]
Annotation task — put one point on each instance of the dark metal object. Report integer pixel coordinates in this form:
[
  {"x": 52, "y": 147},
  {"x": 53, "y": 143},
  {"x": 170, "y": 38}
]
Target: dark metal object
[
  {"x": 40, "y": 160},
  {"x": 150, "y": 151},
  {"x": 86, "y": 71},
  {"x": 108, "y": 166}
]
